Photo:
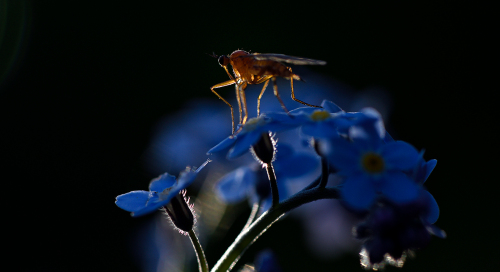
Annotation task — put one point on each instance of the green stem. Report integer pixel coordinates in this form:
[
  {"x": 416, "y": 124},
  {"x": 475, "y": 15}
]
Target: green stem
[
  {"x": 253, "y": 214},
  {"x": 274, "y": 185},
  {"x": 322, "y": 180},
  {"x": 200, "y": 255},
  {"x": 257, "y": 228},
  {"x": 325, "y": 172}
]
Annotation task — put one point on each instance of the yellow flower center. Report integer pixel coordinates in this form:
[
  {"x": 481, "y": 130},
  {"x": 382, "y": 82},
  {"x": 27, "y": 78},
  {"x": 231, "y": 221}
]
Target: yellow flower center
[
  {"x": 320, "y": 115},
  {"x": 373, "y": 163}
]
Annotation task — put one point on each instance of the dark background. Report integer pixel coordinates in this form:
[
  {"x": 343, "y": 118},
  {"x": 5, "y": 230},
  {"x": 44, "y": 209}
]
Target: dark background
[{"x": 84, "y": 83}]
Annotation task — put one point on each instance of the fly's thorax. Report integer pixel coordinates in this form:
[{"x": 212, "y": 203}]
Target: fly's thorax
[
  {"x": 236, "y": 59},
  {"x": 238, "y": 53},
  {"x": 241, "y": 66}
]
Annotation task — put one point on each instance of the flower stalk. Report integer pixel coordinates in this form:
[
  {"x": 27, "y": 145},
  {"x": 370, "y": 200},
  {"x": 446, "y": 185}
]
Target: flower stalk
[
  {"x": 253, "y": 213},
  {"x": 325, "y": 170},
  {"x": 257, "y": 228},
  {"x": 200, "y": 255},
  {"x": 274, "y": 184}
]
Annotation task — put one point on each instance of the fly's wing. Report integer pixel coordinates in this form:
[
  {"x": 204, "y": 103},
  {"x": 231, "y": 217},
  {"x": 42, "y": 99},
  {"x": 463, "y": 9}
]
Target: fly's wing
[{"x": 287, "y": 59}]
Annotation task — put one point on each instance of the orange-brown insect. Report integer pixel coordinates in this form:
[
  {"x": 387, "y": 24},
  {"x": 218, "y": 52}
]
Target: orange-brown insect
[{"x": 255, "y": 69}]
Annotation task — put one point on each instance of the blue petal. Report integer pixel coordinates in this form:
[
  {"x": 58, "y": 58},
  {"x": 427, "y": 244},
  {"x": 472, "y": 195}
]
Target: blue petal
[
  {"x": 399, "y": 155},
  {"x": 388, "y": 138},
  {"x": 429, "y": 166},
  {"x": 330, "y": 106},
  {"x": 341, "y": 154},
  {"x": 234, "y": 186},
  {"x": 226, "y": 143},
  {"x": 151, "y": 207},
  {"x": 358, "y": 192},
  {"x": 397, "y": 187},
  {"x": 341, "y": 122},
  {"x": 281, "y": 124},
  {"x": 162, "y": 182},
  {"x": 295, "y": 166},
  {"x": 280, "y": 117},
  {"x": 302, "y": 111},
  {"x": 367, "y": 126},
  {"x": 133, "y": 201},
  {"x": 433, "y": 215},
  {"x": 378, "y": 124},
  {"x": 298, "y": 119},
  {"x": 186, "y": 177},
  {"x": 322, "y": 129},
  {"x": 243, "y": 144}
]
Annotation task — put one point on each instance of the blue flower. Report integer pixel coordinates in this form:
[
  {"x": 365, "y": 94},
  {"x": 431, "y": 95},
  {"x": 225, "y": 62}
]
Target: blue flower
[
  {"x": 422, "y": 170},
  {"x": 331, "y": 121},
  {"x": 249, "y": 133},
  {"x": 251, "y": 181},
  {"x": 367, "y": 125},
  {"x": 320, "y": 123},
  {"x": 391, "y": 231},
  {"x": 371, "y": 167},
  {"x": 161, "y": 190},
  {"x": 419, "y": 174}
]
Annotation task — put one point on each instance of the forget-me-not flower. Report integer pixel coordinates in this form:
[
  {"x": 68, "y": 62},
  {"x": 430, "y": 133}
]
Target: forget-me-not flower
[
  {"x": 390, "y": 231},
  {"x": 419, "y": 174},
  {"x": 161, "y": 190},
  {"x": 320, "y": 123},
  {"x": 371, "y": 167}
]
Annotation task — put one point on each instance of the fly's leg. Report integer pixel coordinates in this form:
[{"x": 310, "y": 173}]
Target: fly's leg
[
  {"x": 275, "y": 87},
  {"x": 243, "y": 98},
  {"x": 293, "y": 95},
  {"x": 232, "y": 113},
  {"x": 225, "y": 83},
  {"x": 239, "y": 100},
  {"x": 260, "y": 96}
]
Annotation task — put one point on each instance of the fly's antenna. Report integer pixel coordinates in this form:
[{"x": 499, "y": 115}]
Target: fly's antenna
[{"x": 213, "y": 55}]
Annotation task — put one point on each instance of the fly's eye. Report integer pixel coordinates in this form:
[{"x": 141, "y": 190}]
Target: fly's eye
[{"x": 223, "y": 60}]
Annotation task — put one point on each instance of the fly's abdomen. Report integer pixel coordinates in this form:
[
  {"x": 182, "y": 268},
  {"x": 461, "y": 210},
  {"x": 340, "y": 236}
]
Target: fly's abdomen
[{"x": 269, "y": 67}]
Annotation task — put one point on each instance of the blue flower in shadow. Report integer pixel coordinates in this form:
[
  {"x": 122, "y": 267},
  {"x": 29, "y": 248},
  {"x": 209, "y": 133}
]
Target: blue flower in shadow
[
  {"x": 371, "y": 167},
  {"x": 161, "y": 190},
  {"x": 391, "y": 231}
]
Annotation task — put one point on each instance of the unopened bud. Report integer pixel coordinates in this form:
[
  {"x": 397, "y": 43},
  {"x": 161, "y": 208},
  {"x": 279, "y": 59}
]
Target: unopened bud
[
  {"x": 264, "y": 149},
  {"x": 180, "y": 213}
]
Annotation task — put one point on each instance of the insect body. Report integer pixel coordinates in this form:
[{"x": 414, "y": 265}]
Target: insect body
[{"x": 255, "y": 69}]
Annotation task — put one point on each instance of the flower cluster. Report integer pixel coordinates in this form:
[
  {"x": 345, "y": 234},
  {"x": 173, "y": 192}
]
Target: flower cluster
[{"x": 378, "y": 178}]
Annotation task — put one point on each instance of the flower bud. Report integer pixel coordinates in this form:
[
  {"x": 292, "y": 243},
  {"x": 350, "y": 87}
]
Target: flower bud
[
  {"x": 180, "y": 213},
  {"x": 264, "y": 149}
]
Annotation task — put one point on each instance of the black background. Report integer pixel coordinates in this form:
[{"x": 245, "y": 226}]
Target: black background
[{"x": 89, "y": 80}]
